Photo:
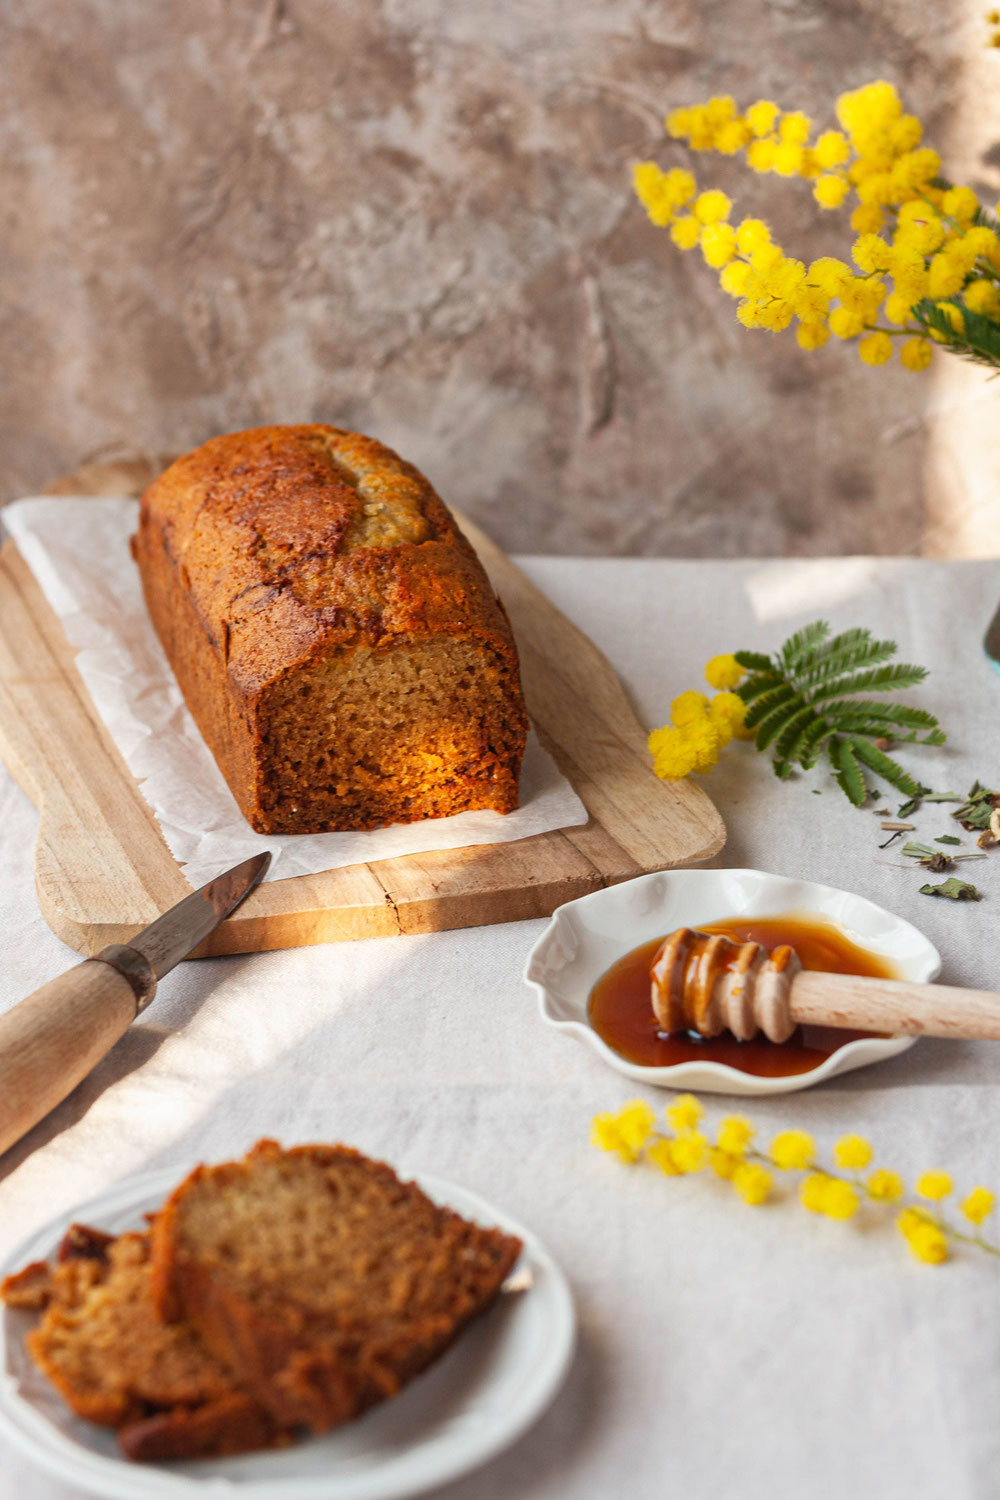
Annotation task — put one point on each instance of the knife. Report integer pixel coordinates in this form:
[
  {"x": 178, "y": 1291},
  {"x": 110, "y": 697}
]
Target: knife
[{"x": 52, "y": 1040}]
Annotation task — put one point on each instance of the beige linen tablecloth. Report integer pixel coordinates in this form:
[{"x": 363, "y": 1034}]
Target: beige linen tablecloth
[{"x": 725, "y": 1351}]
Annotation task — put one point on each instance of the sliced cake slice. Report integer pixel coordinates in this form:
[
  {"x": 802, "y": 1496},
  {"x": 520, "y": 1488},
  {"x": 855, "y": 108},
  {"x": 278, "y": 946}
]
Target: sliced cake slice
[
  {"x": 115, "y": 1362},
  {"x": 318, "y": 1278}
]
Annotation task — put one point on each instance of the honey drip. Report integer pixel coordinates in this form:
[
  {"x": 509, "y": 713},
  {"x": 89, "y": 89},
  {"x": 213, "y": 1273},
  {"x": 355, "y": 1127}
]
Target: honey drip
[{"x": 621, "y": 1011}]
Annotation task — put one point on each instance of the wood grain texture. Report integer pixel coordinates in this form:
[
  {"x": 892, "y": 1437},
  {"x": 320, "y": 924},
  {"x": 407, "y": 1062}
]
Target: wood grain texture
[
  {"x": 895, "y": 1006},
  {"x": 52, "y": 1039},
  {"x": 104, "y": 871}
]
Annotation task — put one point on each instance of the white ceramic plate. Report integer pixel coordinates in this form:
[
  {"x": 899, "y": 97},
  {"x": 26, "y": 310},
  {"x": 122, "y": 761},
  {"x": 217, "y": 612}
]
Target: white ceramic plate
[
  {"x": 482, "y": 1395},
  {"x": 585, "y": 937}
]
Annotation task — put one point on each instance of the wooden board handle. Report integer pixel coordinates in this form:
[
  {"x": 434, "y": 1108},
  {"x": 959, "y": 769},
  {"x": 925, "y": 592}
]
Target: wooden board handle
[
  {"x": 52, "y": 1040},
  {"x": 895, "y": 1006}
]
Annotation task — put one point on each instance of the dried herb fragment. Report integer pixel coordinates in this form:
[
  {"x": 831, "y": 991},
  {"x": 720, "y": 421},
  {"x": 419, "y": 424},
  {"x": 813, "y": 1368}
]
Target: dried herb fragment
[
  {"x": 954, "y": 889},
  {"x": 921, "y": 851},
  {"x": 934, "y": 859},
  {"x": 947, "y": 838},
  {"x": 926, "y": 795},
  {"x": 976, "y": 811}
]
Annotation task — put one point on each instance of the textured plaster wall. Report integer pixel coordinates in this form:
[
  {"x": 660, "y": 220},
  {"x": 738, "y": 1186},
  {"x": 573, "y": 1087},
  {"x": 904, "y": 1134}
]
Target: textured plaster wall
[{"x": 413, "y": 217}]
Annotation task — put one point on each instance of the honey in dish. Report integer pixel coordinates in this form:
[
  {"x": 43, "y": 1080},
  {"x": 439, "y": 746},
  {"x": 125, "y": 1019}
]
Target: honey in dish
[{"x": 621, "y": 1011}]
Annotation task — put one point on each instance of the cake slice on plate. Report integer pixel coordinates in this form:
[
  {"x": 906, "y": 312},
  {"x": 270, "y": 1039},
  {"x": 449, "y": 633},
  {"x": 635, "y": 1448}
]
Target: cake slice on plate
[
  {"x": 117, "y": 1363},
  {"x": 318, "y": 1279}
]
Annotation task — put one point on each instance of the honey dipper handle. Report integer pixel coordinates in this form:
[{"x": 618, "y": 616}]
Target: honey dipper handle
[{"x": 894, "y": 1005}]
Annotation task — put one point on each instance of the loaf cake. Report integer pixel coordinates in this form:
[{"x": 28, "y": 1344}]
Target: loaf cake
[
  {"x": 117, "y": 1363},
  {"x": 319, "y": 1278},
  {"x": 332, "y": 631}
]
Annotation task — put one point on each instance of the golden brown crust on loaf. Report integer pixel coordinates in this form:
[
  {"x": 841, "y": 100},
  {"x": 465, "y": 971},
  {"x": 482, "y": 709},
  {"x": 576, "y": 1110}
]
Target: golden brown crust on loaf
[
  {"x": 304, "y": 576},
  {"x": 320, "y": 1277}
]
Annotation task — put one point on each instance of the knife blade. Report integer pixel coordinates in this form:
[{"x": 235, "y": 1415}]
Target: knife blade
[
  {"x": 50, "y": 1041},
  {"x": 179, "y": 931}
]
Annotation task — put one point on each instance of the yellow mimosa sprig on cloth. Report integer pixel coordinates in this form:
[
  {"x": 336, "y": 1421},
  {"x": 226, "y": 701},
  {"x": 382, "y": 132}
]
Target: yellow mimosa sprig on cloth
[
  {"x": 700, "y": 729},
  {"x": 632, "y": 1134},
  {"x": 800, "y": 704},
  {"x": 927, "y": 256}
]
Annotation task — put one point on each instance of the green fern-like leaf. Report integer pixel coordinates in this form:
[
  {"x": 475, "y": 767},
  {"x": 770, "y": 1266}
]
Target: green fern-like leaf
[
  {"x": 787, "y": 745},
  {"x": 850, "y": 777},
  {"x": 765, "y": 705},
  {"x": 885, "y": 714},
  {"x": 979, "y": 339},
  {"x": 882, "y": 679},
  {"x": 889, "y": 769},
  {"x": 799, "y": 646},
  {"x": 803, "y": 700},
  {"x": 809, "y": 752},
  {"x": 776, "y": 722},
  {"x": 852, "y": 649},
  {"x": 753, "y": 661},
  {"x": 760, "y": 683},
  {"x": 846, "y": 639}
]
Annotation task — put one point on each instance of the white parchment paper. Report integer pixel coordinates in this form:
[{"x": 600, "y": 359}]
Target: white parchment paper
[{"x": 78, "y": 551}]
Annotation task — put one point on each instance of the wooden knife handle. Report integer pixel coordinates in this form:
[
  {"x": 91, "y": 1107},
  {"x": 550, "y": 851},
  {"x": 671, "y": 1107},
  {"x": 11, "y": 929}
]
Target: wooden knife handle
[
  {"x": 52, "y": 1040},
  {"x": 894, "y": 1005}
]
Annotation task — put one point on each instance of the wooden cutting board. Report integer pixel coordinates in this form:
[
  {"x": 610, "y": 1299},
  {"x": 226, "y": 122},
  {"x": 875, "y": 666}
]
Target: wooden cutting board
[{"x": 103, "y": 870}]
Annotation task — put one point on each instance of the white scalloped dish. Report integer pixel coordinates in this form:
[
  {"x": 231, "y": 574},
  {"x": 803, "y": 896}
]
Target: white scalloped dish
[{"x": 585, "y": 937}]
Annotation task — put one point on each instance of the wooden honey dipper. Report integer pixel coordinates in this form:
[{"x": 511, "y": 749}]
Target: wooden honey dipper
[{"x": 706, "y": 983}]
